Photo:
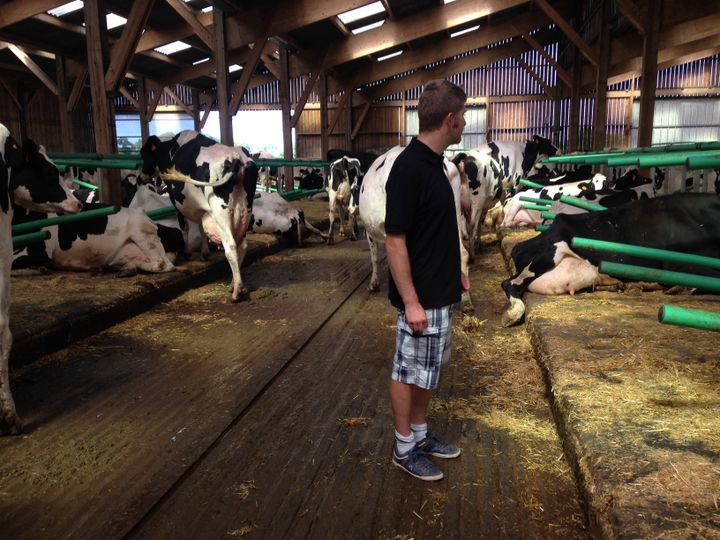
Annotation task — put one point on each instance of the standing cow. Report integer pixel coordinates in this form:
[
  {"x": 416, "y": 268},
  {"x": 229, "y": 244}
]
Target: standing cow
[
  {"x": 29, "y": 179},
  {"x": 211, "y": 184},
  {"x": 343, "y": 189},
  {"x": 517, "y": 159},
  {"x": 372, "y": 209},
  {"x": 546, "y": 264}
]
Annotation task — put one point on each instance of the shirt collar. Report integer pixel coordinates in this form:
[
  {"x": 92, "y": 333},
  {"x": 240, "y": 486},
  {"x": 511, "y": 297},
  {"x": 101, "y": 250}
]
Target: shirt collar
[{"x": 425, "y": 152}]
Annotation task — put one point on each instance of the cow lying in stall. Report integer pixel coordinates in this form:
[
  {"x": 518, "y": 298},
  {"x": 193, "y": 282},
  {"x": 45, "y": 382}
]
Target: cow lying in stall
[
  {"x": 343, "y": 188},
  {"x": 597, "y": 190},
  {"x": 274, "y": 215},
  {"x": 211, "y": 184},
  {"x": 546, "y": 264},
  {"x": 126, "y": 241},
  {"x": 33, "y": 182},
  {"x": 372, "y": 211}
]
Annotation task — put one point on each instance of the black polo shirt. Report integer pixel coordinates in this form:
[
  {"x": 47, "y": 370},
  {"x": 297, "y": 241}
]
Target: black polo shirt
[{"x": 420, "y": 203}]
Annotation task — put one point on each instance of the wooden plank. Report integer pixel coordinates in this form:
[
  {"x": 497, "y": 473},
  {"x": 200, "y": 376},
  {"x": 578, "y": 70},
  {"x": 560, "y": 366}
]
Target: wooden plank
[
  {"x": 123, "y": 50},
  {"x": 600, "y": 114},
  {"x": 32, "y": 66},
  {"x": 339, "y": 109},
  {"x": 10, "y": 93},
  {"x": 19, "y": 10},
  {"x": 648, "y": 77},
  {"x": 535, "y": 76},
  {"x": 289, "y": 182},
  {"x": 569, "y": 31},
  {"x": 191, "y": 18},
  {"x": 177, "y": 100},
  {"x": 143, "y": 102},
  {"x": 361, "y": 119},
  {"x": 238, "y": 89},
  {"x": 124, "y": 91},
  {"x": 152, "y": 106},
  {"x": 561, "y": 72},
  {"x": 221, "y": 69},
  {"x": 575, "y": 91},
  {"x": 77, "y": 89},
  {"x": 633, "y": 14},
  {"x": 66, "y": 124},
  {"x": 309, "y": 85}
]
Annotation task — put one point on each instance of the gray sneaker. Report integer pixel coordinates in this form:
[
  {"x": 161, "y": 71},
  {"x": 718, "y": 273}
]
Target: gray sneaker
[
  {"x": 432, "y": 446},
  {"x": 416, "y": 464}
]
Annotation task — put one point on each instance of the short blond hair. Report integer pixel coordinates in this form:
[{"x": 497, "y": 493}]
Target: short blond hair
[{"x": 439, "y": 98}]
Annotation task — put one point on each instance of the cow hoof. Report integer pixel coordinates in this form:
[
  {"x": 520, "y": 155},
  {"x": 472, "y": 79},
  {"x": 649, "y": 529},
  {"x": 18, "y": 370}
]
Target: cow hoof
[
  {"x": 374, "y": 287},
  {"x": 509, "y": 320},
  {"x": 330, "y": 241},
  {"x": 127, "y": 272},
  {"x": 241, "y": 296}
]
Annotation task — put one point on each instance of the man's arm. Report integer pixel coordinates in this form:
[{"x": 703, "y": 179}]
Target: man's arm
[{"x": 399, "y": 262}]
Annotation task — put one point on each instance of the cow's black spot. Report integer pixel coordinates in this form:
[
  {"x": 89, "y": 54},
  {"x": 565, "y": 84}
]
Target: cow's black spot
[{"x": 259, "y": 222}]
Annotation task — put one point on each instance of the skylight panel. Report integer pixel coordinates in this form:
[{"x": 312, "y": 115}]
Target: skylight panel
[
  {"x": 466, "y": 31},
  {"x": 201, "y": 61},
  {"x": 173, "y": 47},
  {"x": 448, "y": 1},
  {"x": 234, "y": 67},
  {"x": 367, "y": 27},
  {"x": 361, "y": 12},
  {"x": 66, "y": 8},
  {"x": 391, "y": 55},
  {"x": 206, "y": 9},
  {"x": 113, "y": 21}
]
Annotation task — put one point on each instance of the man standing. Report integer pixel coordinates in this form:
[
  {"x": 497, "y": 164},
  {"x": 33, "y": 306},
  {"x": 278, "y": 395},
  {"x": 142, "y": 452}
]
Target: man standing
[{"x": 423, "y": 254}]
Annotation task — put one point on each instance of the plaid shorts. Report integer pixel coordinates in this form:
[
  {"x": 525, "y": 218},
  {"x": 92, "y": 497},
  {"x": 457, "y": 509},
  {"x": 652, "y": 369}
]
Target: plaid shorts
[{"x": 418, "y": 357}]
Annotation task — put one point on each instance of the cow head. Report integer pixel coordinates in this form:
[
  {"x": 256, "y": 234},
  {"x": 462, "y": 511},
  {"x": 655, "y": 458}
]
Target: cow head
[
  {"x": 536, "y": 149},
  {"x": 37, "y": 185},
  {"x": 156, "y": 156}
]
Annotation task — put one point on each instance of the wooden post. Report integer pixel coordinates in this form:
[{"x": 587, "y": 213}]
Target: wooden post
[
  {"x": 403, "y": 123},
  {"x": 324, "y": 144},
  {"x": 24, "y": 98},
  {"x": 574, "y": 126},
  {"x": 648, "y": 78},
  {"x": 196, "y": 109},
  {"x": 221, "y": 74},
  {"x": 288, "y": 184},
  {"x": 103, "y": 120},
  {"x": 599, "y": 131},
  {"x": 348, "y": 125},
  {"x": 559, "y": 88},
  {"x": 66, "y": 125},
  {"x": 143, "y": 99},
  {"x": 629, "y": 113}
]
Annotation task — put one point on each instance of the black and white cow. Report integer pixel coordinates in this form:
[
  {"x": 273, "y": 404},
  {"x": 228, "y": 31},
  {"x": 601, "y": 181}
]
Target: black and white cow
[
  {"x": 267, "y": 175},
  {"x": 366, "y": 159},
  {"x": 517, "y": 159},
  {"x": 372, "y": 210},
  {"x": 274, "y": 215},
  {"x": 211, "y": 184},
  {"x": 127, "y": 241},
  {"x": 485, "y": 187},
  {"x": 29, "y": 179},
  {"x": 310, "y": 179},
  {"x": 546, "y": 264},
  {"x": 343, "y": 189}
]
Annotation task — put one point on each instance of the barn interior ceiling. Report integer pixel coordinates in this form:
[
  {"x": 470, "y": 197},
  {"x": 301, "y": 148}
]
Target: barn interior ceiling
[{"x": 389, "y": 46}]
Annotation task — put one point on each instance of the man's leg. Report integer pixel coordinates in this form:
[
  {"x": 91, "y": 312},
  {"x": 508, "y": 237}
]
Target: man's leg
[{"x": 401, "y": 398}]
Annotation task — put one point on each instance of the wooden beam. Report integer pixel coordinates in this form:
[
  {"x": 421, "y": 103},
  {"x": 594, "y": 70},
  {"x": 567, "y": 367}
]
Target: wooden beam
[
  {"x": 324, "y": 139},
  {"x": 648, "y": 76},
  {"x": 32, "y": 66},
  {"x": 221, "y": 69},
  {"x": 238, "y": 89},
  {"x": 191, "y": 18},
  {"x": 360, "y": 120},
  {"x": 289, "y": 182},
  {"x": 600, "y": 114},
  {"x": 77, "y": 89},
  {"x": 152, "y": 106},
  {"x": 206, "y": 115},
  {"x": 135, "y": 103},
  {"x": 338, "y": 110},
  {"x": 66, "y": 125},
  {"x": 569, "y": 31},
  {"x": 123, "y": 50},
  {"x": 575, "y": 91},
  {"x": 535, "y": 76},
  {"x": 143, "y": 102},
  {"x": 10, "y": 93},
  {"x": 19, "y": 10},
  {"x": 561, "y": 72},
  {"x": 633, "y": 14},
  {"x": 177, "y": 100},
  {"x": 309, "y": 85},
  {"x": 394, "y": 33}
]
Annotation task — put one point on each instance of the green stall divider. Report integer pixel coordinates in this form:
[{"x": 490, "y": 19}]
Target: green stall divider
[
  {"x": 538, "y": 207},
  {"x": 692, "y": 318},
  {"x": 580, "y": 203},
  {"x": 667, "y": 277},
  {"x": 548, "y": 215},
  {"x": 30, "y": 238},
  {"x": 535, "y": 200},
  {"x": 66, "y": 218},
  {"x": 84, "y": 184}
]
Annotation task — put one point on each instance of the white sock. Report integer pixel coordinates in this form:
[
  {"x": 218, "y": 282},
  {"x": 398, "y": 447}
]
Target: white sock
[
  {"x": 419, "y": 431},
  {"x": 403, "y": 443}
]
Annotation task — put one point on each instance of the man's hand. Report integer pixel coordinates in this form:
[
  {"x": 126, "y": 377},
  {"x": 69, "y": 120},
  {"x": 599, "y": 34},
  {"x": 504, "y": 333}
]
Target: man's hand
[{"x": 415, "y": 317}]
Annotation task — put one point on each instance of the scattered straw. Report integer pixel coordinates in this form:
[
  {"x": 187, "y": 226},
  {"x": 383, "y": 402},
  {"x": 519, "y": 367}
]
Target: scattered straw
[
  {"x": 353, "y": 421},
  {"x": 243, "y": 490},
  {"x": 242, "y": 531}
]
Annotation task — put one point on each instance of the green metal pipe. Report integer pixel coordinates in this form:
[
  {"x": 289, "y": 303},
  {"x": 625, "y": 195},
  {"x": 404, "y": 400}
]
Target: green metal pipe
[
  {"x": 667, "y": 277},
  {"x": 542, "y": 228},
  {"x": 693, "y": 318},
  {"x": 91, "y": 156},
  {"x": 84, "y": 184},
  {"x": 646, "y": 252},
  {"x": 30, "y": 238},
  {"x": 622, "y": 161},
  {"x": 677, "y": 159},
  {"x": 68, "y": 218},
  {"x": 62, "y": 165},
  {"x": 548, "y": 215},
  {"x": 161, "y": 213},
  {"x": 703, "y": 162},
  {"x": 538, "y": 207},
  {"x": 535, "y": 200},
  {"x": 664, "y": 148},
  {"x": 530, "y": 183},
  {"x": 580, "y": 203}
]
